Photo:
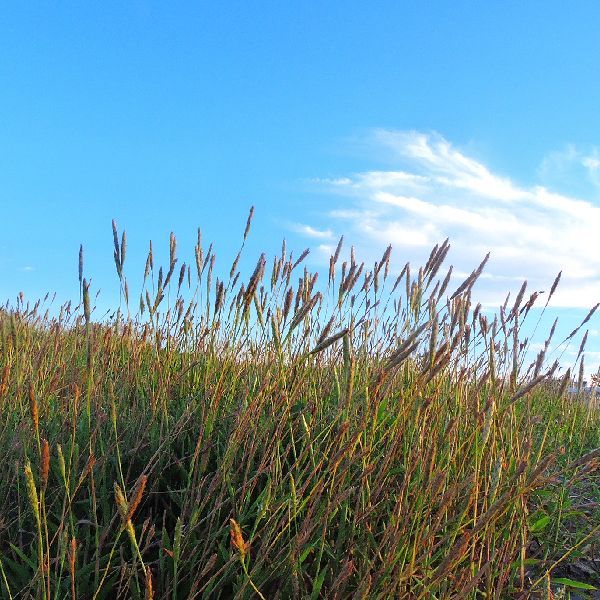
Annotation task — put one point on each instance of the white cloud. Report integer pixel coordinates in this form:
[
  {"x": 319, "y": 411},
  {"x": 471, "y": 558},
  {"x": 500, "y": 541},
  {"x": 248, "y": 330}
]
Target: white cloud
[
  {"x": 438, "y": 191},
  {"x": 572, "y": 168},
  {"x": 591, "y": 162},
  {"x": 312, "y": 232},
  {"x": 325, "y": 250}
]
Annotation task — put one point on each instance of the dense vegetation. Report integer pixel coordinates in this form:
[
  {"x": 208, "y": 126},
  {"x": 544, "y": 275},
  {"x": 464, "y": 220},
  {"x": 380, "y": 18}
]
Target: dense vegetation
[{"x": 379, "y": 438}]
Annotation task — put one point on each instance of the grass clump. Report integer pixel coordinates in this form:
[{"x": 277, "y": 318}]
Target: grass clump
[{"x": 375, "y": 437}]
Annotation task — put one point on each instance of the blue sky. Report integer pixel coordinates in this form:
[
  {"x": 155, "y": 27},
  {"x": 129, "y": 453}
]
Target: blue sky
[{"x": 386, "y": 121}]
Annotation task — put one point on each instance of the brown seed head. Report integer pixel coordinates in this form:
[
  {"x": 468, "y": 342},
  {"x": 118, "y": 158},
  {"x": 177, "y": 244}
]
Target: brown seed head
[
  {"x": 248, "y": 222},
  {"x": 181, "y": 276},
  {"x": 135, "y": 502},
  {"x": 237, "y": 538},
  {"x": 338, "y": 249},
  {"x": 115, "y": 237},
  {"x": 86, "y": 301},
  {"x": 45, "y": 467},
  {"x": 234, "y": 266},
  {"x": 123, "y": 249},
  {"x": 149, "y": 592},
  {"x": 287, "y": 305},
  {"x": 304, "y": 254},
  {"x": 72, "y": 555},
  {"x": 554, "y": 286},
  {"x": 80, "y": 264},
  {"x": 172, "y": 247}
]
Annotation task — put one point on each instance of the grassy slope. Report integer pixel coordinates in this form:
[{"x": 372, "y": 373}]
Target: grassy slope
[{"x": 401, "y": 459}]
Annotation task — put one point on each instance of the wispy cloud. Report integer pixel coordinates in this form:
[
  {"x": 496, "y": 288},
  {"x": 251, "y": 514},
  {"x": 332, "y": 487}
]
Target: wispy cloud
[
  {"x": 312, "y": 232},
  {"x": 439, "y": 191},
  {"x": 574, "y": 169}
]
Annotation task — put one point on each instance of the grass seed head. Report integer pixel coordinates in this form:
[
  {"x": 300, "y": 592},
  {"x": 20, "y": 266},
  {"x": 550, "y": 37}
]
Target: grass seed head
[
  {"x": 45, "y": 464},
  {"x": 32, "y": 493},
  {"x": 121, "y": 502},
  {"x": 72, "y": 555},
  {"x": 248, "y": 222},
  {"x": 80, "y": 264},
  {"x": 149, "y": 591},
  {"x": 237, "y": 538},
  {"x": 135, "y": 502}
]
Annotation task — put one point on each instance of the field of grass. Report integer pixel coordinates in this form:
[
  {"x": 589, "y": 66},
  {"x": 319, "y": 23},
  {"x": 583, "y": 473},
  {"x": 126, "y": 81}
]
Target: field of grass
[{"x": 370, "y": 436}]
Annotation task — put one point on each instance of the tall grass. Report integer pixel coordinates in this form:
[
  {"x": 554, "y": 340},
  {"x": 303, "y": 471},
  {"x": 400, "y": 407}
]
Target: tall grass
[{"x": 373, "y": 437}]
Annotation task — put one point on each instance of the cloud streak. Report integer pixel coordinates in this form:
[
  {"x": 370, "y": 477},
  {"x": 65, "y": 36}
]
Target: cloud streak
[
  {"x": 438, "y": 191},
  {"x": 312, "y": 232}
]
